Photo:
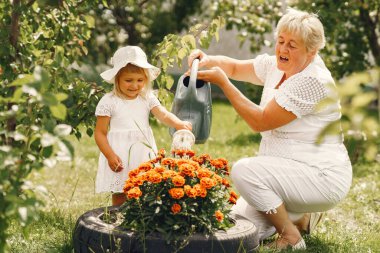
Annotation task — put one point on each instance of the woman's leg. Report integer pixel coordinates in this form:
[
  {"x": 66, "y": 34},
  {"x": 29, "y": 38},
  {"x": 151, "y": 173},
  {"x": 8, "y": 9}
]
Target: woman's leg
[
  {"x": 289, "y": 234},
  {"x": 273, "y": 184},
  {"x": 118, "y": 199}
]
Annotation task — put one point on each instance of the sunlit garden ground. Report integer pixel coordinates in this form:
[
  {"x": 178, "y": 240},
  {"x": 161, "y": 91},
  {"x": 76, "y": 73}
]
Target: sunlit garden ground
[{"x": 353, "y": 226}]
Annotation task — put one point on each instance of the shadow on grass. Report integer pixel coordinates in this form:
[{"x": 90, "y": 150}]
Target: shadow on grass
[{"x": 245, "y": 139}]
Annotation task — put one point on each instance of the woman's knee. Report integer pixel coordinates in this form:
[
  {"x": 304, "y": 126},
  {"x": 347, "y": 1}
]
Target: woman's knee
[{"x": 239, "y": 170}]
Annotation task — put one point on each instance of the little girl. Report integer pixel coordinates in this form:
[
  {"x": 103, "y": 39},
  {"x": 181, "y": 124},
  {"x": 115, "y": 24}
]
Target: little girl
[{"x": 122, "y": 130}]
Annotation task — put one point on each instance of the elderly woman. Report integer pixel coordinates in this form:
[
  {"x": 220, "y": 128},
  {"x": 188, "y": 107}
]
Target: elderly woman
[{"x": 293, "y": 177}]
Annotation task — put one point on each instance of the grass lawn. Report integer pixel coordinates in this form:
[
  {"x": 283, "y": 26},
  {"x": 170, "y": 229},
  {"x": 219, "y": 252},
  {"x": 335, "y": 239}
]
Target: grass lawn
[{"x": 353, "y": 226}]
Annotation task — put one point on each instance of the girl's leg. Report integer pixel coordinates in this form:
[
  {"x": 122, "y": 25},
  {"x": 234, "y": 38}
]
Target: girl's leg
[{"x": 118, "y": 199}]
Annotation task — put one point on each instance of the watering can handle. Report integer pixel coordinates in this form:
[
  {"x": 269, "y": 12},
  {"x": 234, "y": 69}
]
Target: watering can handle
[{"x": 193, "y": 77}]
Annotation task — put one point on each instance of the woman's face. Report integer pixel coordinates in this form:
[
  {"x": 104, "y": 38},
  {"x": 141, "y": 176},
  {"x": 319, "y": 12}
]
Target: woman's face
[
  {"x": 291, "y": 53},
  {"x": 131, "y": 83}
]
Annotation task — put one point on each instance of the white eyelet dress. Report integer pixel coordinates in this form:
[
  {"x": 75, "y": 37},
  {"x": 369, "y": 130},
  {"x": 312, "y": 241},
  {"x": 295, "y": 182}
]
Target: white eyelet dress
[
  {"x": 290, "y": 167},
  {"x": 129, "y": 135}
]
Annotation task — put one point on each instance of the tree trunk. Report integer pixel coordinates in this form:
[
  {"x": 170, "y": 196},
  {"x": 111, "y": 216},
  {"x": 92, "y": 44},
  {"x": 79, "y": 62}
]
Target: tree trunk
[{"x": 370, "y": 27}]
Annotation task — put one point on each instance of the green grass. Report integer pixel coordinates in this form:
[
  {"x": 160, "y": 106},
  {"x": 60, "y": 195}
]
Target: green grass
[{"x": 352, "y": 226}]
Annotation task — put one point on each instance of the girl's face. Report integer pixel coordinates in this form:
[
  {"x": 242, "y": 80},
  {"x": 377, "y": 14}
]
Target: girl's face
[
  {"x": 291, "y": 53},
  {"x": 131, "y": 83}
]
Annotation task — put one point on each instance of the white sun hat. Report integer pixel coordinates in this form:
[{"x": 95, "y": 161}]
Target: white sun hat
[{"x": 133, "y": 55}]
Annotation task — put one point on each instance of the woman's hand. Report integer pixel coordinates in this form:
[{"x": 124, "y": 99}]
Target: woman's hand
[
  {"x": 204, "y": 59},
  {"x": 214, "y": 75},
  {"x": 115, "y": 163}
]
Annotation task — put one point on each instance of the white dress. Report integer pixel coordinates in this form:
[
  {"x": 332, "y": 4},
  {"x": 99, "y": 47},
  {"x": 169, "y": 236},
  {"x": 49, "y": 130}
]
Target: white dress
[
  {"x": 291, "y": 168},
  {"x": 129, "y": 135}
]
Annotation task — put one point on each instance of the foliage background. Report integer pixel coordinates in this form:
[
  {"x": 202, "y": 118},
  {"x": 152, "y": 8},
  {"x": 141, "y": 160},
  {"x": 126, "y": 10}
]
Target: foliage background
[{"x": 51, "y": 50}]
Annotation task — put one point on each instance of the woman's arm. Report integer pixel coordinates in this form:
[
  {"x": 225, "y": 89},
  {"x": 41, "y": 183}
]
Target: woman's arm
[
  {"x": 169, "y": 118},
  {"x": 259, "y": 119},
  {"x": 240, "y": 70},
  {"x": 101, "y": 129}
]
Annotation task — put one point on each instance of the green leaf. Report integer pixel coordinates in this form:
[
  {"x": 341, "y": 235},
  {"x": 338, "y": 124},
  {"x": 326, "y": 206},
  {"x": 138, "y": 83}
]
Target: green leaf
[
  {"x": 182, "y": 53},
  {"x": 61, "y": 96},
  {"x": 59, "y": 111},
  {"x": 90, "y": 19},
  {"x": 363, "y": 99},
  {"x": 22, "y": 80},
  {"x": 49, "y": 99},
  {"x": 189, "y": 40}
]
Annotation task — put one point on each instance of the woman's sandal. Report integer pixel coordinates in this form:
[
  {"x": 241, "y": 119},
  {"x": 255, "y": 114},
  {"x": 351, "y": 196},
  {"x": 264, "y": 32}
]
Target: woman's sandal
[
  {"x": 315, "y": 218},
  {"x": 299, "y": 245}
]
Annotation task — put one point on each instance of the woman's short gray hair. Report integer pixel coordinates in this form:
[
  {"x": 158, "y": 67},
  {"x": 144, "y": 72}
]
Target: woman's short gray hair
[{"x": 305, "y": 25}]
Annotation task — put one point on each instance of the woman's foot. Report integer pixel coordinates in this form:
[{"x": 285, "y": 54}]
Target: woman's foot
[
  {"x": 308, "y": 223},
  {"x": 282, "y": 243},
  {"x": 303, "y": 223}
]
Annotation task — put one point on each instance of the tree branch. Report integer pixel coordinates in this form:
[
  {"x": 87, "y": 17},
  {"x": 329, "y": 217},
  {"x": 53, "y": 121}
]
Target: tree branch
[{"x": 15, "y": 26}]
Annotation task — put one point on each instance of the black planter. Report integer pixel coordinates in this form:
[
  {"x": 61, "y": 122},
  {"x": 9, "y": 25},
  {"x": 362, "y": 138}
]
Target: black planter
[{"x": 92, "y": 234}]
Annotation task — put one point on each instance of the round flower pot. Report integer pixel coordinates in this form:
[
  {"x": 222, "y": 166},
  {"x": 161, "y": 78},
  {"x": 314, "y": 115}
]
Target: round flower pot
[{"x": 93, "y": 234}]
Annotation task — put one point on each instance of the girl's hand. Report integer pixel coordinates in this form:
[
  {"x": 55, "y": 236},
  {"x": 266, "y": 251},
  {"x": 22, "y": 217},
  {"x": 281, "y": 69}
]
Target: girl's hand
[
  {"x": 214, "y": 75},
  {"x": 204, "y": 60},
  {"x": 185, "y": 125},
  {"x": 115, "y": 163}
]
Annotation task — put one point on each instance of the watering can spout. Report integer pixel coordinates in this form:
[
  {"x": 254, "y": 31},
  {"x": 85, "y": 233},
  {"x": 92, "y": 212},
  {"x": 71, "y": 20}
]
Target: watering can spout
[{"x": 192, "y": 102}]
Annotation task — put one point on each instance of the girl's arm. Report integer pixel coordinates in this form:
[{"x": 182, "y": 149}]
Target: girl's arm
[
  {"x": 101, "y": 129},
  {"x": 169, "y": 118}
]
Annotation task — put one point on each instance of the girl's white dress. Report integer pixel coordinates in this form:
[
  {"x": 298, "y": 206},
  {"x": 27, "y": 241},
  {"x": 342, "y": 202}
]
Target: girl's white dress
[{"x": 129, "y": 136}]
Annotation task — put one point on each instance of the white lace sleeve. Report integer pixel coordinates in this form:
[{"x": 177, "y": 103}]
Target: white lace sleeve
[
  {"x": 105, "y": 106},
  {"x": 262, "y": 64},
  {"x": 301, "y": 94},
  {"x": 152, "y": 100}
]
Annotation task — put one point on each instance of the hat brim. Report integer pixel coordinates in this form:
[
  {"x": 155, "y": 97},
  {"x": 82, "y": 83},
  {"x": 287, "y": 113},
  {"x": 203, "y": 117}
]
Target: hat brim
[{"x": 109, "y": 75}]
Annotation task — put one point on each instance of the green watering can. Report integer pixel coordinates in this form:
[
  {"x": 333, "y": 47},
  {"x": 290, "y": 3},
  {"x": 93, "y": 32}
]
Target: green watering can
[{"x": 192, "y": 102}]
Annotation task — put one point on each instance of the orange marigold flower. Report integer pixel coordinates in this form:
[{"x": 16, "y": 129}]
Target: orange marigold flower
[
  {"x": 234, "y": 194},
  {"x": 203, "y": 172},
  {"x": 183, "y": 152},
  {"x": 232, "y": 200},
  {"x": 178, "y": 180},
  {"x": 145, "y": 166},
  {"x": 176, "y": 208},
  {"x": 159, "y": 169},
  {"x": 201, "y": 191},
  {"x": 218, "y": 164},
  {"x": 133, "y": 173},
  {"x": 136, "y": 181},
  {"x": 190, "y": 192},
  {"x": 205, "y": 157},
  {"x": 134, "y": 193},
  {"x": 218, "y": 178},
  {"x": 176, "y": 193},
  {"x": 168, "y": 174},
  {"x": 127, "y": 187},
  {"x": 207, "y": 183},
  {"x": 161, "y": 153},
  {"x": 225, "y": 182},
  {"x": 187, "y": 170},
  {"x": 219, "y": 216},
  {"x": 154, "y": 177},
  {"x": 168, "y": 161}
]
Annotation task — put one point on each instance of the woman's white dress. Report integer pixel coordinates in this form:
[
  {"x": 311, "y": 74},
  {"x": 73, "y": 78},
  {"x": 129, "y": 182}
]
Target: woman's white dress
[
  {"x": 130, "y": 137},
  {"x": 291, "y": 167}
]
